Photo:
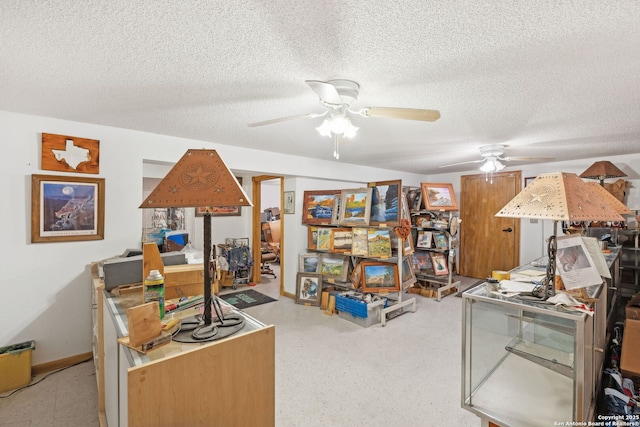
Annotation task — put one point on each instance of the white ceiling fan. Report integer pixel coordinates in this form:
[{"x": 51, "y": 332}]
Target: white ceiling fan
[
  {"x": 337, "y": 96},
  {"x": 492, "y": 160}
]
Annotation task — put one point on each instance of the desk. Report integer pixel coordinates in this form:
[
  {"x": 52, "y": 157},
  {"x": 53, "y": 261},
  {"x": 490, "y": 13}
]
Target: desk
[{"x": 220, "y": 383}]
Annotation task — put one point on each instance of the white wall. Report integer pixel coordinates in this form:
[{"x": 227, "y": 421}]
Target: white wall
[{"x": 46, "y": 286}]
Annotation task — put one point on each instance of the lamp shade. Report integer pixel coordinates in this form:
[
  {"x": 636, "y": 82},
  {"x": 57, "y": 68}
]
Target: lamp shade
[
  {"x": 616, "y": 204},
  {"x": 559, "y": 196},
  {"x": 602, "y": 170},
  {"x": 199, "y": 179}
]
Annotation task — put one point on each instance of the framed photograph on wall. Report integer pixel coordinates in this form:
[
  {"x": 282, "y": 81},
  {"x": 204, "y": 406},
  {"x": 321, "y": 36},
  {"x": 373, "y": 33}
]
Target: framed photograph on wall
[
  {"x": 439, "y": 196},
  {"x": 317, "y": 206},
  {"x": 308, "y": 288},
  {"x": 355, "y": 206},
  {"x": 289, "y": 202},
  {"x": 221, "y": 210},
  {"x": 379, "y": 277},
  {"x": 385, "y": 202},
  {"x": 66, "y": 208}
]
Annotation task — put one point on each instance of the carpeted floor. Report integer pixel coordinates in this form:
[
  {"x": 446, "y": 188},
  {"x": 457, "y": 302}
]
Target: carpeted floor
[{"x": 246, "y": 298}]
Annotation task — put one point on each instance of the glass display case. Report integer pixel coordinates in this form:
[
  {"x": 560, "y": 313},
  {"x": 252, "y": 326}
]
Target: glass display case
[{"x": 527, "y": 362}]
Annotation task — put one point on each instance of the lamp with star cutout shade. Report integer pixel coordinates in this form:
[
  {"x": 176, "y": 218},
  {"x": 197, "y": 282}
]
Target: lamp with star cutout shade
[
  {"x": 201, "y": 179},
  {"x": 558, "y": 196}
]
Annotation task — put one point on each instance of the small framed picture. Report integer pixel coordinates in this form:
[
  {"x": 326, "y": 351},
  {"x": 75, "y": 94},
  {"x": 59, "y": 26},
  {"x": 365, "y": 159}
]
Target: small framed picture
[
  {"x": 334, "y": 267},
  {"x": 441, "y": 240},
  {"x": 359, "y": 241},
  {"x": 379, "y": 277},
  {"x": 379, "y": 243},
  {"x": 309, "y": 263},
  {"x": 289, "y": 202},
  {"x": 407, "y": 245},
  {"x": 324, "y": 239},
  {"x": 439, "y": 196},
  {"x": 341, "y": 240},
  {"x": 425, "y": 239},
  {"x": 312, "y": 238},
  {"x": 421, "y": 261},
  {"x": 408, "y": 275},
  {"x": 414, "y": 198},
  {"x": 308, "y": 288},
  {"x": 355, "y": 206},
  {"x": 439, "y": 262}
]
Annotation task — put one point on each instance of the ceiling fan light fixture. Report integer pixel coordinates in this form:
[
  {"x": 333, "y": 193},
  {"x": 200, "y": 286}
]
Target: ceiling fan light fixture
[
  {"x": 339, "y": 125},
  {"x": 492, "y": 165}
]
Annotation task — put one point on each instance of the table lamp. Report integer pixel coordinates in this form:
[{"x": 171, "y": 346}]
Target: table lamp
[
  {"x": 558, "y": 196},
  {"x": 201, "y": 179},
  {"x": 601, "y": 171}
]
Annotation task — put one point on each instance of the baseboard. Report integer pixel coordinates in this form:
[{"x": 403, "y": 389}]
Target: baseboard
[
  {"x": 54, "y": 365},
  {"x": 289, "y": 295}
]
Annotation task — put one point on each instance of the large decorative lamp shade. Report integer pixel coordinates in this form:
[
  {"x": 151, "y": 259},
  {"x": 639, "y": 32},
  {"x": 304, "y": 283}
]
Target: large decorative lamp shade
[
  {"x": 601, "y": 171},
  {"x": 558, "y": 196},
  {"x": 616, "y": 204},
  {"x": 201, "y": 179}
]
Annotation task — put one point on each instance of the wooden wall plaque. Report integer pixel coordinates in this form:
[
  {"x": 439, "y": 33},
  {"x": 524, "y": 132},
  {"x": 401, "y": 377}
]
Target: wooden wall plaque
[{"x": 65, "y": 153}]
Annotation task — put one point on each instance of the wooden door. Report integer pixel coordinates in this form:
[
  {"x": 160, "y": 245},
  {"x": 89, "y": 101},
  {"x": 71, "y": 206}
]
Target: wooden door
[{"x": 486, "y": 242}]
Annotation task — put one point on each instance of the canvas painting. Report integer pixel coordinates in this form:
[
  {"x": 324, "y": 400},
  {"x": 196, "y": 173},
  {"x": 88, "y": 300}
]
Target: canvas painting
[
  {"x": 317, "y": 207},
  {"x": 355, "y": 206},
  {"x": 379, "y": 243},
  {"x": 323, "y": 239},
  {"x": 379, "y": 276},
  {"x": 385, "y": 203},
  {"x": 334, "y": 267}
]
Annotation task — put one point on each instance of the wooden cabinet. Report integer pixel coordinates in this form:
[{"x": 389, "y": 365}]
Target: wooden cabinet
[{"x": 219, "y": 383}]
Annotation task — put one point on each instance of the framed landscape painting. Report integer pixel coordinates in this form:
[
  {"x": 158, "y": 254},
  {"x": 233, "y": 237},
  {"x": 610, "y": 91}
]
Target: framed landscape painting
[
  {"x": 317, "y": 206},
  {"x": 355, "y": 206},
  {"x": 309, "y": 263},
  {"x": 334, "y": 267},
  {"x": 341, "y": 240},
  {"x": 379, "y": 243},
  {"x": 323, "y": 242},
  {"x": 439, "y": 196},
  {"x": 385, "y": 203},
  {"x": 379, "y": 277},
  {"x": 359, "y": 238}
]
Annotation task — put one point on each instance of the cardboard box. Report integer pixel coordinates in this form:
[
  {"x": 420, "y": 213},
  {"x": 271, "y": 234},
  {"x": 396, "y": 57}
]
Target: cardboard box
[
  {"x": 15, "y": 365},
  {"x": 630, "y": 357},
  {"x": 633, "y": 308}
]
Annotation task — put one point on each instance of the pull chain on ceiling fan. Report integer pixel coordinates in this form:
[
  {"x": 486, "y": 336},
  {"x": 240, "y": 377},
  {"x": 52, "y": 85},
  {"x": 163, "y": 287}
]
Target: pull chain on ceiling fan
[{"x": 337, "y": 96}]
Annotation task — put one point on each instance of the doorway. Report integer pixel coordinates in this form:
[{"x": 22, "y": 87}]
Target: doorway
[
  {"x": 262, "y": 188},
  {"x": 487, "y": 242}
]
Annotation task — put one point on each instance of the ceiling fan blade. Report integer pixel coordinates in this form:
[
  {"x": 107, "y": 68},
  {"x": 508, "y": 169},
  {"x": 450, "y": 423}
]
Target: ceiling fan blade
[
  {"x": 462, "y": 163},
  {"x": 526, "y": 159},
  {"x": 284, "y": 119},
  {"x": 326, "y": 91},
  {"x": 401, "y": 113}
]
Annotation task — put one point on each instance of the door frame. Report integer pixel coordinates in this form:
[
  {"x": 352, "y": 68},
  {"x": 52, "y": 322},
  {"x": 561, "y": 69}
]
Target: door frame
[{"x": 256, "y": 229}]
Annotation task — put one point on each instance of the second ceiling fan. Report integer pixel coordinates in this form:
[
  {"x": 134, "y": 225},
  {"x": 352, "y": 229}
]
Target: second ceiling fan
[{"x": 337, "y": 96}]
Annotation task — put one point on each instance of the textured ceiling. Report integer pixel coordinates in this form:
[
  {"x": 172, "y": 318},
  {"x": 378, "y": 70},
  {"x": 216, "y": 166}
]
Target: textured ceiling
[{"x": 546, "y": 78}]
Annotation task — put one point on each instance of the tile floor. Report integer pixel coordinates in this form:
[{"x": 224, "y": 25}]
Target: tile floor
[{"x": 329, "y": 371}]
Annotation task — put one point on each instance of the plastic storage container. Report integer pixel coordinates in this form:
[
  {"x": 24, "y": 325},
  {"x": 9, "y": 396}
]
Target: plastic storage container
[{"x": 360, "y": 312}]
